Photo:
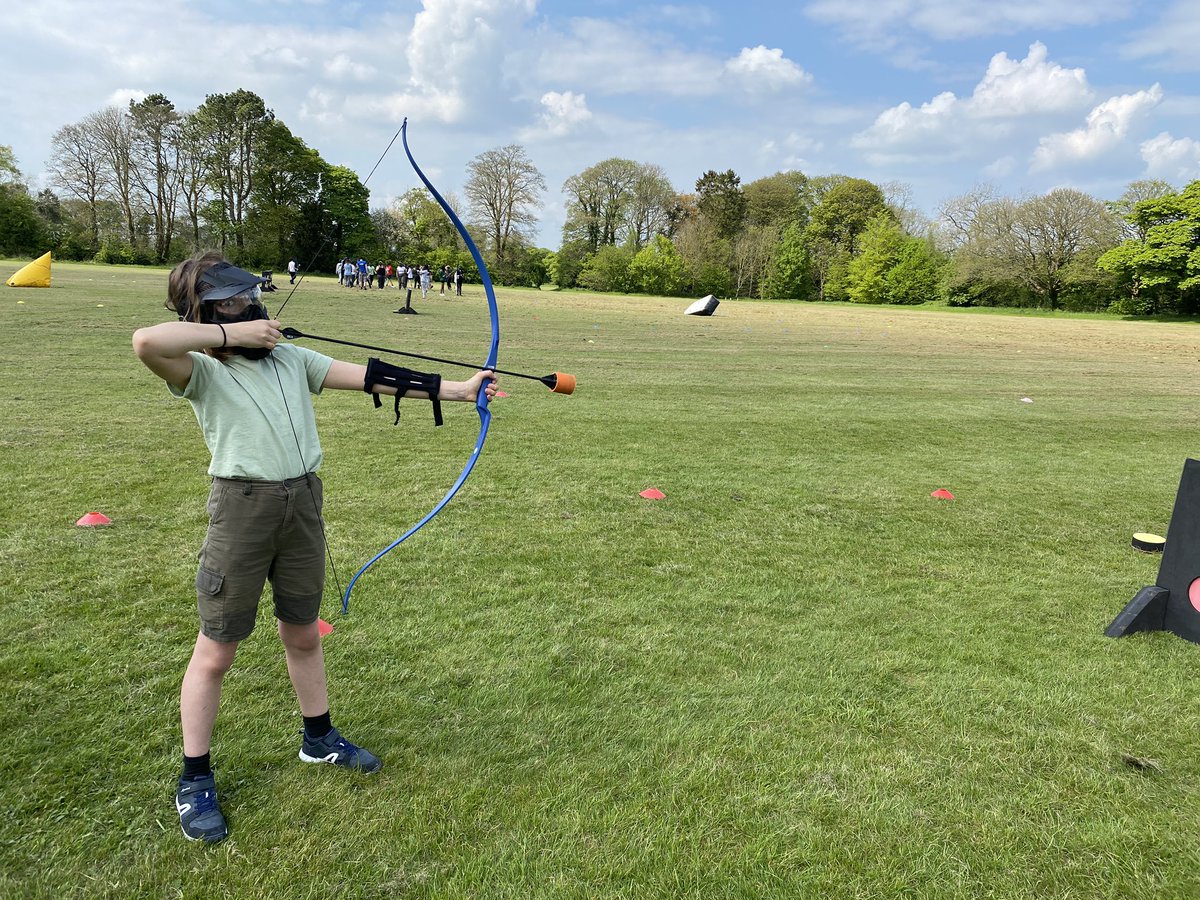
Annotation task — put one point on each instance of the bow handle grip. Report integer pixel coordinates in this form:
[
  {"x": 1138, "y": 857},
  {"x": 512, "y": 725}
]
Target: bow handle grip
[{"x": 481, "y": 400}]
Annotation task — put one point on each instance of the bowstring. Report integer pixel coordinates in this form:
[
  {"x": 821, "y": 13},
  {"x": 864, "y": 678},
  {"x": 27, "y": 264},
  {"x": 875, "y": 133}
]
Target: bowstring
[
  {"x": 325, "y": 240},
  {"x": 308, "y": 479},
  {"x": 283, "y": 394}
]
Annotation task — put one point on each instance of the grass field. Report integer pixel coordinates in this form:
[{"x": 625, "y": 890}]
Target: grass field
[{"x": 796, "y": 676}]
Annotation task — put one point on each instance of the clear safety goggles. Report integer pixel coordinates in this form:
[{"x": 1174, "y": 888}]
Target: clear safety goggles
[{"x": 233, "y": 309}]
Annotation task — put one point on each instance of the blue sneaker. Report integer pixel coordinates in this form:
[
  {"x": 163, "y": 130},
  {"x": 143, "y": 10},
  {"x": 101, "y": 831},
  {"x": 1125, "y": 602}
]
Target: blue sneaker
[
  {"x": 199, "y": 815},
  {"x": 335, "y": 749}
]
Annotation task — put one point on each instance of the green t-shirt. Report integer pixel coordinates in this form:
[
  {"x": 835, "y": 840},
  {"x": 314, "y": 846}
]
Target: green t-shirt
[{"x": 246, "y": 418}]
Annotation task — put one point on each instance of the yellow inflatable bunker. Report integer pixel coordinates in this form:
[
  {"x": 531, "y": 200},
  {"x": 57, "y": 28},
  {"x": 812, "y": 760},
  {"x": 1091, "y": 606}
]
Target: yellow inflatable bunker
[{"x": 36, "y": 274}]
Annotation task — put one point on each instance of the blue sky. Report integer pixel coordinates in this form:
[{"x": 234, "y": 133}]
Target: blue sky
[{"x": 930, "y": 97}]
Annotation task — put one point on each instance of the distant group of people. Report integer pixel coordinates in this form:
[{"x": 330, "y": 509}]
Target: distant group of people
[{"x": 359, "y": 273}]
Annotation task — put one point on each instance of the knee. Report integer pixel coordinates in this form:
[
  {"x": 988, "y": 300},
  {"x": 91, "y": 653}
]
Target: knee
[
  {"x": 300, "y": 638},
  {"x": 212, "y": 658}
]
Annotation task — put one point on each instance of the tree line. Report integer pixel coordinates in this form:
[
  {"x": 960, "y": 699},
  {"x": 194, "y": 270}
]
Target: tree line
[
  {"x": 150, "y": 184},
  {"x": 835, "y": 237}
]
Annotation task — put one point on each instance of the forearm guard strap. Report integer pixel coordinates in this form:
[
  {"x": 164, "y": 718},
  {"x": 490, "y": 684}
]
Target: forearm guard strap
[{"x": 380, "y": 373}]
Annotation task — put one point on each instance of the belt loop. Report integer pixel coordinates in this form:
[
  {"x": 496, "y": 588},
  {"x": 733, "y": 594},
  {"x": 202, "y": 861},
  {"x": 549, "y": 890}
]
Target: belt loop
[{"x": 247, "y": 487}]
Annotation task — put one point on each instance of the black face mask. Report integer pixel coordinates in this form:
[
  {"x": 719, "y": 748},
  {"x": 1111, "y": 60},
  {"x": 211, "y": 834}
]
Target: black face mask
[
  {"x": 229, "y": 295},
  {"x": 251, "y": 309}
]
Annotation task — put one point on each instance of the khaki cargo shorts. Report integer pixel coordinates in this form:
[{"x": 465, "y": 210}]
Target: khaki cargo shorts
[{"x": 260, "y": 531}]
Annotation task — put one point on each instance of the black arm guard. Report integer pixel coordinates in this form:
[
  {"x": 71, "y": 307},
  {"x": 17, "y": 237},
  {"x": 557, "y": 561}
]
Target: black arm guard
[{"x": 403, "y": 380}]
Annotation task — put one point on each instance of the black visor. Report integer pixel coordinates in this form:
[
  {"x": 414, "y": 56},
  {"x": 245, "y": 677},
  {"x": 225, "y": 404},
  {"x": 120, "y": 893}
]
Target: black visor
[{"x": 225, "y": 280}]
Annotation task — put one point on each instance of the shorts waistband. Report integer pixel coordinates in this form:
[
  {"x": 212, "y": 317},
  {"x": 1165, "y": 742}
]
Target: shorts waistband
[{"x": 252, "y": 482}]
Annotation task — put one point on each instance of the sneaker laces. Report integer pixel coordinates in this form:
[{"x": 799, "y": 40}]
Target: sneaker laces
[
  {"x": 344, "y": 746},
  {"x": 203, "y": 801}
]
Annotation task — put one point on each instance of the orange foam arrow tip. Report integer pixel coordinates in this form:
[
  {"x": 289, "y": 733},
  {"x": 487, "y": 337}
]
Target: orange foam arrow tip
[
  {"x": 653, "y": 494},
  {"x": 94, "y": 518},
  {"x": 563, "y": 383}
]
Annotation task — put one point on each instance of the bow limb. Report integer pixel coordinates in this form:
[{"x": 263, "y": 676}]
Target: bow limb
[{"x": 481, "y": 401}]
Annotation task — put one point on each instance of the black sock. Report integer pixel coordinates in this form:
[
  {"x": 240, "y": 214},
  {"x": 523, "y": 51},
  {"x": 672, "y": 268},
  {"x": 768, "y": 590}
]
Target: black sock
[
  {"x": 318, "y": 726},
  {"x": 197, "y": 766}
]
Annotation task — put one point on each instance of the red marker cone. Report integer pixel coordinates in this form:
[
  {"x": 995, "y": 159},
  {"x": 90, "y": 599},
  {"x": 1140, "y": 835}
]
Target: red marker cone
[
  {"x": 94, "y": 518},
  {"x": 942, "y": 494},
  {"x": 324, "y": 627},
  {"x": 653, "y": 494}
]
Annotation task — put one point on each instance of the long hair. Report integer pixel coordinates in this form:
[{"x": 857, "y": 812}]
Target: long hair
[{"x": 183, "y": 298}]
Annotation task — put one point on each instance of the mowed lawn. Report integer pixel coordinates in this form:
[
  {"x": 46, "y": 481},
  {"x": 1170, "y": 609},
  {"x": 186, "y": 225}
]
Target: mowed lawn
[{"x": 798, "y": 675}]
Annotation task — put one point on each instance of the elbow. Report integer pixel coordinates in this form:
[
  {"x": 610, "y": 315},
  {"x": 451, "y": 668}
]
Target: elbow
[{"x": 141, "y": 343}]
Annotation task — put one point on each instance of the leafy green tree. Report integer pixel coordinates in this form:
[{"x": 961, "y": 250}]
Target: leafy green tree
[
  {"x": 843, "y": 214},
  {"x": 568, "y": 262},
  {"x": 892, "y": 266},
  {"x": 608, "y": 270},
  {"x": 345, "y": 201},
  {"x": 21, "y": 231},
  {"x": 1126, "y": 207},
  {"x": 790, "y": 275},
  {"x": 1046, "y": 233},
  {"x": 780, "y": 200},
  {"x": 287, "y": 176},
  {"x": 597, "y": 201},
  {"x": 155, "y": 139},
  {"x": 917, "y": 272},
  {"x": 720, "y": 199},
  {"x": 833, "y": 230},
  {"x": 866, "y": 274},
  {"x": 229, "y": 127},
  {"x": 1162, "y": 271},
  {"x": 658, "y": 269},
  {"x": 9, "y": 171},
  {"x": 524, "y": 266},
  {"x": 422, "y": 225}
]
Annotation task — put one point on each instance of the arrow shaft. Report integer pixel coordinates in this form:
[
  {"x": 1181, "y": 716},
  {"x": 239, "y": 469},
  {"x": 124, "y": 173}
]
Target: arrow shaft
[{"x": 292, "y": 332}]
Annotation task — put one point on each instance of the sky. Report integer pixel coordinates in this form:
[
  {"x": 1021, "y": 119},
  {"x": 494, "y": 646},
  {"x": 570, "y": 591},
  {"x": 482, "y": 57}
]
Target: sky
[{"x": 931, "y": 97}]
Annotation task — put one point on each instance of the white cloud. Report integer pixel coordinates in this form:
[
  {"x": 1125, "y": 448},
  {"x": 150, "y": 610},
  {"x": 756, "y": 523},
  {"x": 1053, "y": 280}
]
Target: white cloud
[
  {"x": 1010, "y": 90},
  {"x": 1171, "y": 159},
  {"x": 1001, "y": 167},
  {"x": 342, "y": 66},
  {"x": 793, "y": 152},
  {"x": 1106, "y": 128},
  {"x": 320, "y": 106},
  {"x": 761, "y": 68},
  {"x": 456, "y": 54},
  {"x": 1032, "y": 85},
  {"x": 563, "y": 113},
  {"x": 121, "y": 97},
  {"x": 906, "y": 124}
]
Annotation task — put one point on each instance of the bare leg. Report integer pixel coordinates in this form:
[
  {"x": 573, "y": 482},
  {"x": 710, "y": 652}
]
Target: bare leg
[
  {"x": 306, "y": 666},
  {"x": 201, "y": 692}
]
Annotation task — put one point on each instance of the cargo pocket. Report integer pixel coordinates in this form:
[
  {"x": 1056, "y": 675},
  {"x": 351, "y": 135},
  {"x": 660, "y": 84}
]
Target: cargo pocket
[{"x": 208, "y": 583}]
